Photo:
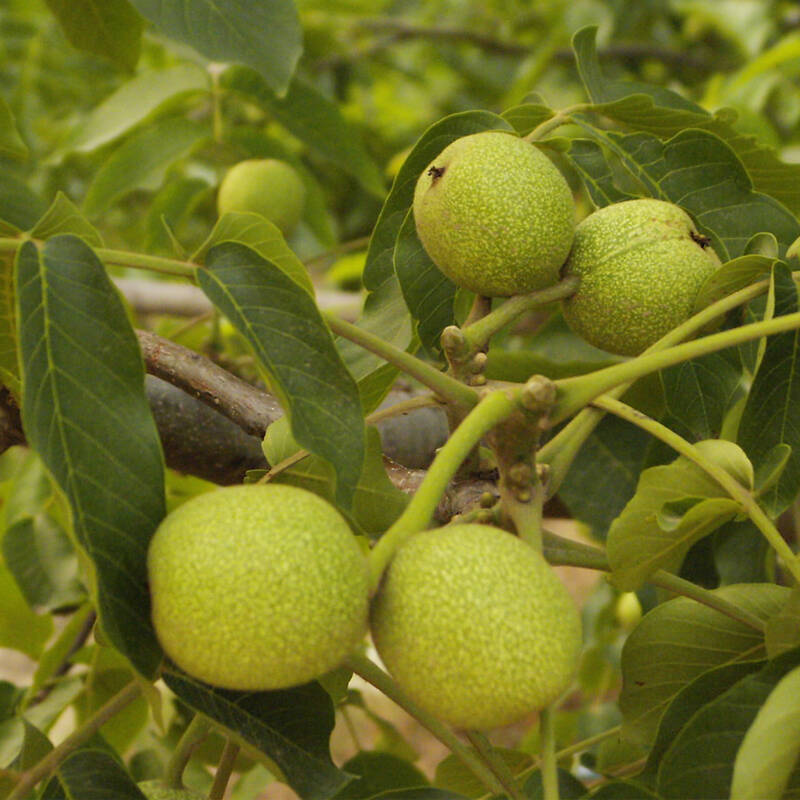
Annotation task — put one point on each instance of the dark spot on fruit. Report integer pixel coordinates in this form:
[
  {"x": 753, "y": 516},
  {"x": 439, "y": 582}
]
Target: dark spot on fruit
[
  {"x": 436, "y": 173},
  {"x": 703, "y": 241}
]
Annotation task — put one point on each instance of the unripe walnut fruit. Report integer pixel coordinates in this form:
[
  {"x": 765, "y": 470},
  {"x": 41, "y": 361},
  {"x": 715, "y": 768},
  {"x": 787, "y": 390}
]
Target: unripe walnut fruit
[
  {"x": 495, "y": 214},
  {"x": 265, "y": 186},
  {"x": 641, "y": 264},
  {"x": 257, "y": 587},
  {"x": 475, "y": 626}
]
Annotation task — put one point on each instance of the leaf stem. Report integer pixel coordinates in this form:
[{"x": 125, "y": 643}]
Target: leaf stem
[
  {"x": 496, "y": 764},
  {"x": 574, "y": 393},
  {"x": 564, "y": 552},
  {"x": 495, "y": 407},
  {"x": 721, "y": 476},
  {"x": 447, "y": 388},
  {"x": 556, "y": 121},
  {"x": 224, "y": 770},
  {"x": 481, "y": 331},
  {"x": 51, "y": 762},
  {"x": 549, "y": 763},
  {"x": 372, "y": 674}
]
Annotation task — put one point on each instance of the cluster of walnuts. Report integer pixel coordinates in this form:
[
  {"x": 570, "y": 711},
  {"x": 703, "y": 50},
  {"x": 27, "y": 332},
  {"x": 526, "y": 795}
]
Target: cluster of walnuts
[{"x": 266, "y": 587}]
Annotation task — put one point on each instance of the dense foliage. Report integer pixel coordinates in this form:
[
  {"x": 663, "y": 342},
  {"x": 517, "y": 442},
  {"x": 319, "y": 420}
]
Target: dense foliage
[{"x": 275, "y": 358}]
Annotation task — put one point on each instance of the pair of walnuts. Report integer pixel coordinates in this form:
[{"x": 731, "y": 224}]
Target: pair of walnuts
[{"x": 497, "y": 217}]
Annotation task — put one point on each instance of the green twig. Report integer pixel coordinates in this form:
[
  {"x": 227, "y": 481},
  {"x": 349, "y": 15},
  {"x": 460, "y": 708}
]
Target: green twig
[
  {"x": 575, "y": 393},
  {"x": 444, "y": 386},
  {"x": 494, "y": 407},
  {"x": 195, "y": 732},
  {"x": 224, "y": 770},
  {"x": 549, "y": 763},
  {"x": 556, "y": 121},
  {"x": 479, "y": 333},
  {"x": 372, "y": 674},
  {"x": 51, "y": 762},
  {"x": 722, "y": 477},
  {"x": 496, "y": 763}
]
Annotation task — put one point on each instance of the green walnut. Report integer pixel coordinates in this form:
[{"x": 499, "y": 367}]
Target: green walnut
[
  {"x": 156, "y": 790},
  {"x": 266, "y": 186},
  {"x": 495, "y": 215},
  {"x": 475, "y": 626},
  {"x": 257, "y": 587},
  {"x": 641, "y": 264}
]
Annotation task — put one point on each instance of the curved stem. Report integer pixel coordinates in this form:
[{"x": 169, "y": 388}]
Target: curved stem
[
  {"x": 479, "y": 332},
  {"x": 494, "y": 408},
  {"x": 721, "y": 476},
  {"x": 372, "y": 674},
  {"x": 496, "y": 764},
  {"x": 195, "y": 732},
  {"x": 445, "y": 387},
  {"x": 556, "y": 121},
  {"x": 51, "y": 762},
  {"x": 574, "y": 393}
]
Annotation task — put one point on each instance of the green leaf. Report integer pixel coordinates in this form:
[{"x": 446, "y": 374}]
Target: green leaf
[
  {"x": 699, "y": 393},
  {"x": 264, "y": 237},
  {"x": 64, "y": 216},
  {"x": 140, "y": 159},
  {"x": 424, "y": 793},
  {"x": 107, "y": 28},
  {"x": 623, "y": 790},
  {"x": 291, "y": 727},
  {"x": 39, "y": 554},
  {"x": 732, "y": 276},
  {"x": 171, "y": 206},
  {"x": 428, "y": 292},
  {"x": 527, "y": 116},
  {"x": 292, "y": 342},
  {"x": 314, "y": 119},
  {"x": 698, "y": 171},
  {"x": 20, "y": 207},
  {"x": 91, "y": 774},
  {"x": 662, "y": 112},
  {"x": 770, "y": 416},
  {"x": 85, "y": 412},
  {"x": 9, "y": 360},
  {"x": 137, "y": 99},
  {"x": 378, "y": 772},
  {"x": 701, "y": 691},
  {"x": 700, "y": 760},
  {"x": 569, "y": 787},
  {"x": 265, "y": 36},
  {"x": 11, "y": 143},
  {"x": 452, "y": 774},
  {"x": 783, "y": 629},
  {"x": 20, "y": 628},
  {"x": 592, "y": 165},
  {"x": 678, "y": 641},
  {"x": 771, "y": 746},
  {"x": 639, "y": 544},
  {"x": 604, "y": 474},
  {"x": 376, "y": 502}
]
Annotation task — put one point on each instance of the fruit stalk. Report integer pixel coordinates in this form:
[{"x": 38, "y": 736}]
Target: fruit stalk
[
  {"x": 372, "y": 674},
  {"x": 195, "y": 732},
  {"x": 549, "y": 763},
  {"x": 495, "y": 407},
  {"x": 57, "y": 755}
]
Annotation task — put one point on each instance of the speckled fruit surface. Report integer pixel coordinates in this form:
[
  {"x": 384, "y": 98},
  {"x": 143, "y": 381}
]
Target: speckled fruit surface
[
  {"x": 495, "y": 214},
  {"x": 264, "y": 186},
  {"x": 257, "y": 587},
  {"x": 641, "y": 265},
  {"x": 475, "y": 626}
]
